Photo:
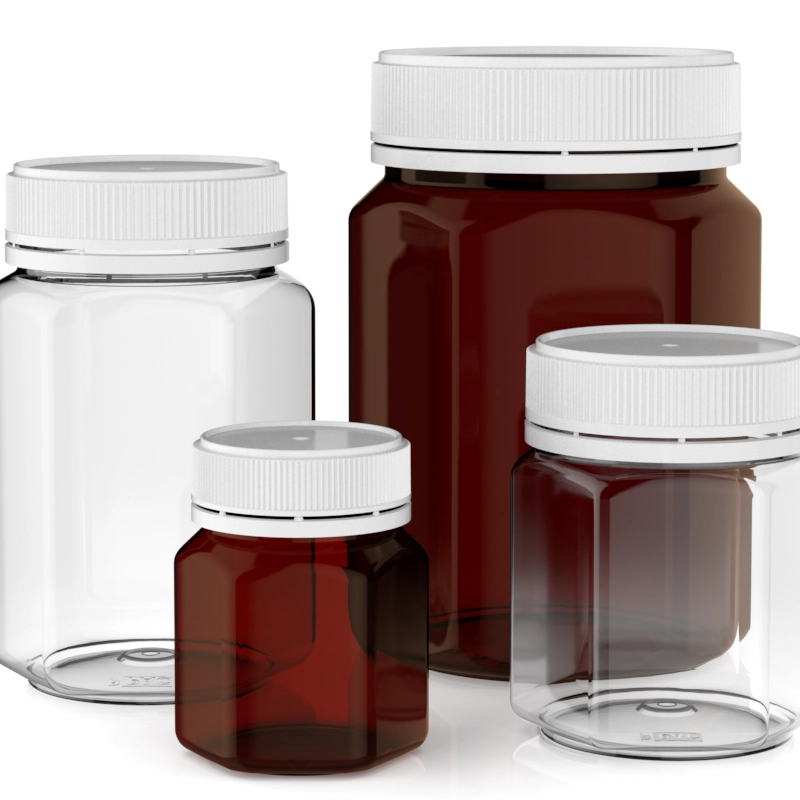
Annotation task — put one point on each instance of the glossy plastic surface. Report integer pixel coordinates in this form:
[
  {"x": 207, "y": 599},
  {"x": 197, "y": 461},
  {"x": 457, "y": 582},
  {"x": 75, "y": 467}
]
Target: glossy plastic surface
[
  {"x": 641, "y": 621},
  {"x": 105, "y": 382},
  {"x": 301, "y": 656},
  {"x": 453, "y": 276}
]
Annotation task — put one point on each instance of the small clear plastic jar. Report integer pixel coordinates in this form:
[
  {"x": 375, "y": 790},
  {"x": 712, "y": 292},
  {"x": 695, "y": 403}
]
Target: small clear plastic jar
[
  {"x": 301, "y": 604},
  {"x": 147, "y": 303},
  {"x": 654, "y": 538}
]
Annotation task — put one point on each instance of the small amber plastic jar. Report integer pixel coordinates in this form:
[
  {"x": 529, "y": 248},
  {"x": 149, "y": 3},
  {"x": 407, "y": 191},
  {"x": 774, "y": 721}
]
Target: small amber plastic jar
[{"x": 301, "y": 605}]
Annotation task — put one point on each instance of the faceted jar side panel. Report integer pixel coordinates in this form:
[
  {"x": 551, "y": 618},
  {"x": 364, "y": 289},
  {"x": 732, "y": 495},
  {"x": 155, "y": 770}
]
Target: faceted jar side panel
[
  {"x": 636, "y": 588},
  {"x": 301, "y": 655}
]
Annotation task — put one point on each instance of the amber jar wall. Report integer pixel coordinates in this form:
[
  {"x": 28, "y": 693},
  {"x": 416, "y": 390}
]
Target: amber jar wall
[
  {"x": 301, "y": 655},
  {"x": 453, "y": 275},
  {"x": 626, "y": 571}
]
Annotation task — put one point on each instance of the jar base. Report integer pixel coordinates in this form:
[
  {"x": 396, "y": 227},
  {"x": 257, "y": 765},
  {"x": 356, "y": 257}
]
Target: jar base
[
  {"x": 132, "y": 672},
  {"x": 677, "y": 731},
  {"x": 298, "y": 750}
]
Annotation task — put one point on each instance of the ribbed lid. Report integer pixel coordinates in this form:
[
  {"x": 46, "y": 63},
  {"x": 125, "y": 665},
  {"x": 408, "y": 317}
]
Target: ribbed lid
[
  {"x": 146, "y": 203},
  {"x": 288, "y": 469},
  {"x": 554, "y": 100},
  {"x": 665, "y": 381}
]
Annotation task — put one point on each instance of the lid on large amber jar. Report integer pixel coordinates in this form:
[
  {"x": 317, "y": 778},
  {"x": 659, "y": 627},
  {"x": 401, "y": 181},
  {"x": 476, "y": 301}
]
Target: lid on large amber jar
[
  {"x": 356, "y": 475},
  {"x": 108, "y": 212},
  {"x": 664, "y": 393},
  {"x": 551, "y": 110}
]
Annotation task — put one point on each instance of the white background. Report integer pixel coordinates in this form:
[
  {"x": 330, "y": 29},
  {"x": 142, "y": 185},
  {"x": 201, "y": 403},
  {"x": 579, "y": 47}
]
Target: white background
[{"x": 290, "y": 81}]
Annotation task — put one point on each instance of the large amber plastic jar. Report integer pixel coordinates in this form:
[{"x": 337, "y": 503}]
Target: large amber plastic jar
[{"x": 527, "y": 190}]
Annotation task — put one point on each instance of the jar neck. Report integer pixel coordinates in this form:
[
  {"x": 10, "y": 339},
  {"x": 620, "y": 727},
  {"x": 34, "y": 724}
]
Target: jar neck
[
  {"x": 556, "y": 183},
  {"x": 147, "y": 280},
  {"x": 300, "y": 527},
  {"x": 184, "y": 266},
  {"x": 737, "y": 449}
]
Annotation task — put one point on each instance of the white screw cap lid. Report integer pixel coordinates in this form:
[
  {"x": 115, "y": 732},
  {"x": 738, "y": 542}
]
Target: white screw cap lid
[
  {"x": 672, "y": 382},
  {"x": 146, "y": 203},
  {"x": 308, "y": 469},
  {"x": 554, "y": 100}
]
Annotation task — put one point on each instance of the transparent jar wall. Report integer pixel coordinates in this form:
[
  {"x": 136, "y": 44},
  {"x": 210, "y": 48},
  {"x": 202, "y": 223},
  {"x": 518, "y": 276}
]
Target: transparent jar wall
[
  {"x": 641, "y": 605},
  {"x": 103, "y": 388},
  {"x": 301, "y": 655}
]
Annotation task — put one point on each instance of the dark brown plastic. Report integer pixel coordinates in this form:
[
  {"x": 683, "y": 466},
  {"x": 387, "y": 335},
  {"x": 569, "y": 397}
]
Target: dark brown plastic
[
  {"x": 301, "y": 656},
  {"x": 453, "y": 276},
  {"x": 626, "y": 571}
]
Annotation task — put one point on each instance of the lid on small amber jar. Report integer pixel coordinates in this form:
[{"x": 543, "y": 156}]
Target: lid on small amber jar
[
  {"x": 664, "y": 393},
  {"x": 305, "y": 479}
]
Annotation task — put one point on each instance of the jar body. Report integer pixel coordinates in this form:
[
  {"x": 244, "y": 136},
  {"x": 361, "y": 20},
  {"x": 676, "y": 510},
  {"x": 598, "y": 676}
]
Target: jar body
[
  {"x": 301, "y": 655},
  {"x": 104, "y": 385},
  {"x": 641, "y": 607},
  {"x": 453, "y": 276}
]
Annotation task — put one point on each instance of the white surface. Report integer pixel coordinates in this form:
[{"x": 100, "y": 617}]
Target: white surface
[
  {"x": 292, "y": 81},
  {"x": 673, "y": 382},
  {"x": 308, "y": 469},
  {"x": 477, "y": 747},
  {"x": 145, "y": 202},
  {"x": 555, "y": 100}
]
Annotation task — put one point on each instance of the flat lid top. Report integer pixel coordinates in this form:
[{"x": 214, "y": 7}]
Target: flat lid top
[
  {"x": 555, "y": 57},
  {"x": 301, "y": 440},
  {"x": 669, "y": 345},
  {"x": 145, "y": 168}
]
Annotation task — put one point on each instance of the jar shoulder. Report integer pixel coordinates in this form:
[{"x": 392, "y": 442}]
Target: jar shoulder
[
  {"x": 368, "y": 554},
  {"x": 665, "y": 204},
  {"x": 536, "y": 464}
]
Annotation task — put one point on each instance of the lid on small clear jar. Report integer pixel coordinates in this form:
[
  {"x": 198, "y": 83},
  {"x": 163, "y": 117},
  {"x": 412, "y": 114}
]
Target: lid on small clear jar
[
  {"x": 301, "y": 479},
  {"x": 671, "y": 394}
]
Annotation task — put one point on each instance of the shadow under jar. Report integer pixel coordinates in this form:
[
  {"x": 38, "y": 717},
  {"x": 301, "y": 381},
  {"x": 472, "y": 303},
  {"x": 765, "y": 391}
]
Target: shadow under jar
[
  {"x": 302, "y": 640},
  {"x": 647, "y": 520},
  {"x": 489, "y": 229}
]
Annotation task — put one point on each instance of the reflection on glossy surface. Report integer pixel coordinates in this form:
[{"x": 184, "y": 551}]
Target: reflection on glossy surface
[
  {"x": 473, "y": 733},
  {"x": 541, "y": 759},
  {"x": 476, "y": 748}
]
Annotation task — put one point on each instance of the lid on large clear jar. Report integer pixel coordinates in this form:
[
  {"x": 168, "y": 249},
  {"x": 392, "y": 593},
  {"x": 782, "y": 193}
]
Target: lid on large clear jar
[
  {"x": 556, "y": 110},
  {"x": 664, "y": 394},
  {"x": 301, "y": 479},
  {"x": 106, "y": 214}
]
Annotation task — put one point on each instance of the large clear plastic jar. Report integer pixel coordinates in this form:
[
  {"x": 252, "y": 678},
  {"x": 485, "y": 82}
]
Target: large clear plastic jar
[
  {"x": 655, "y": 541},
  {"x": 527, "y": 190},
  {"x": 146, "y": 304}
]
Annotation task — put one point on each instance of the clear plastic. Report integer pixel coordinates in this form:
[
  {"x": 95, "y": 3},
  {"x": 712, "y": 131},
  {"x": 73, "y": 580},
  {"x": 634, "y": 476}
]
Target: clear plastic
[
  {"x": 653, "y": 611},
  {"x": 105, "y": 382}
]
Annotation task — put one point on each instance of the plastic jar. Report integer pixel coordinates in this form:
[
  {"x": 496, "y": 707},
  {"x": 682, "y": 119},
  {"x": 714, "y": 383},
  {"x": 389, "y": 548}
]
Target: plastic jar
[
  {"x": 301, "y": 605},
  {"x": 655, "y": 540},
  {"x": 146, "y": 305},
  {"x": 527, "y": 190}
]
